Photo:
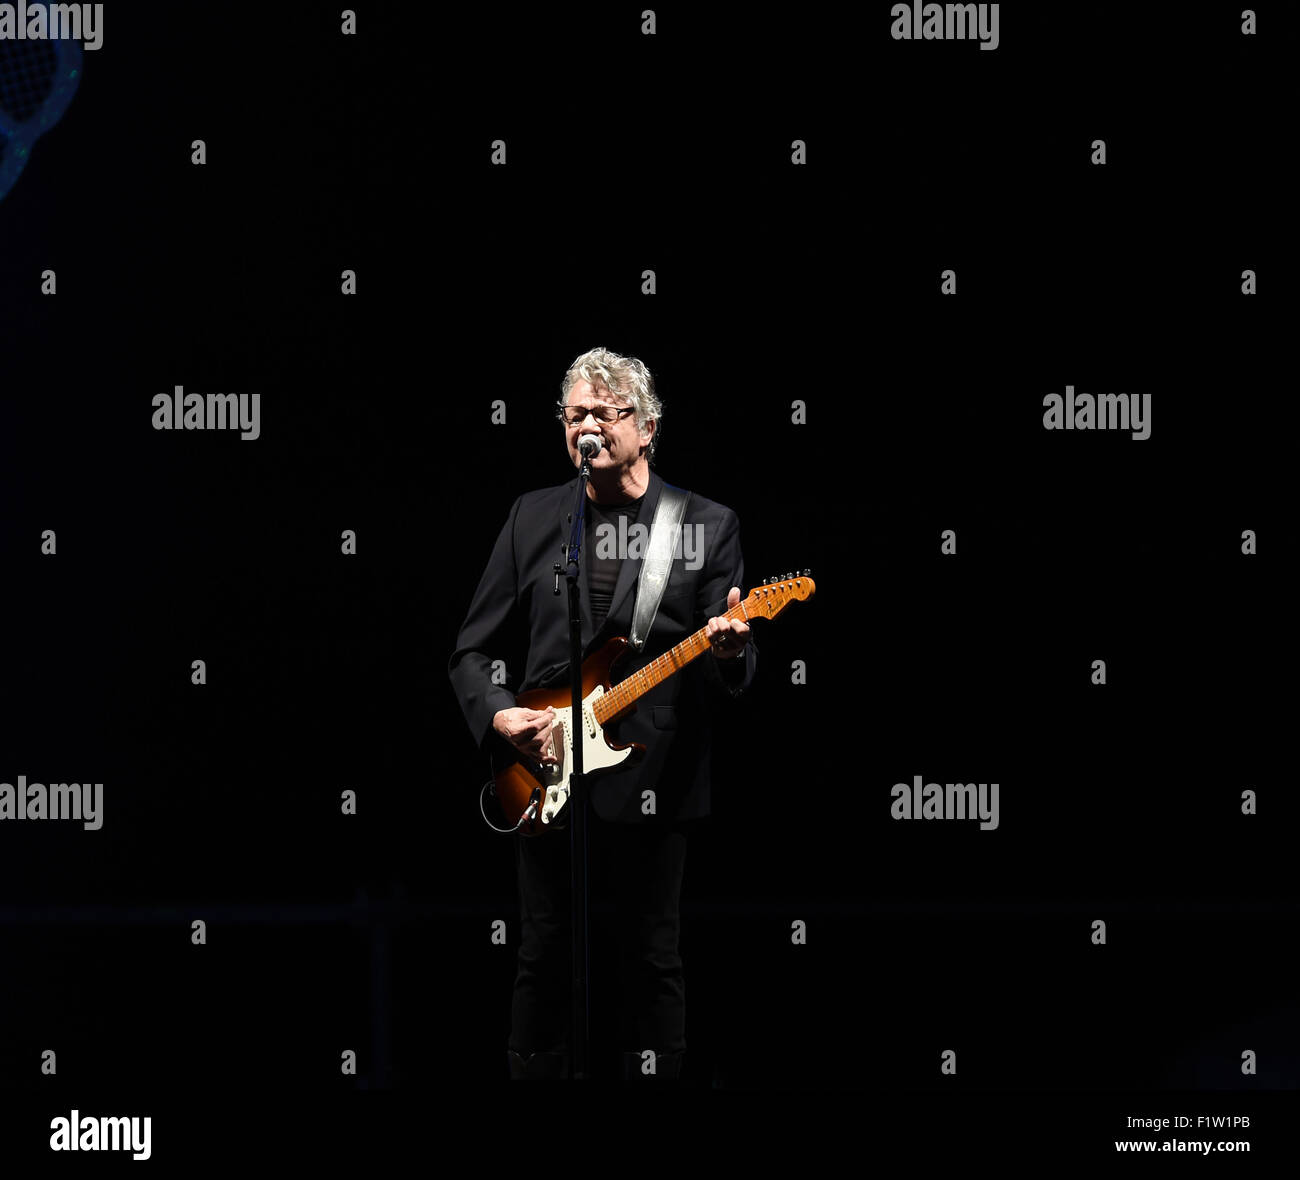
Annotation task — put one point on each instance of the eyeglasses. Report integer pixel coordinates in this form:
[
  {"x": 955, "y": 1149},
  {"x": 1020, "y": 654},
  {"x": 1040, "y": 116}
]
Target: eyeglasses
[{"x": 572, "y": 415}]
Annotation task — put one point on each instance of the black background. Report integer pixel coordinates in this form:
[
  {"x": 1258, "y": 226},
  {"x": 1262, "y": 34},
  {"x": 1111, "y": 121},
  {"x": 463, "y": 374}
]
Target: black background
[{"x": 774, "y": 282}]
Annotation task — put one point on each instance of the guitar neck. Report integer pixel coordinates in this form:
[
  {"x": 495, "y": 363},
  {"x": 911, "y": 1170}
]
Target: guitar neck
[{"x": 627, "y": 692}]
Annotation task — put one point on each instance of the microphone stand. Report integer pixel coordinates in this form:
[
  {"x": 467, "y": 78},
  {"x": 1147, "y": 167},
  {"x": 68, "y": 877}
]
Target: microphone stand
[{"x": 577, "y": 803}]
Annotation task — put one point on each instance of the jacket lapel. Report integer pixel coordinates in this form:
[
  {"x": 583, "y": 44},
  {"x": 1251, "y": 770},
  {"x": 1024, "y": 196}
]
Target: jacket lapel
[{"x": 567, "y": 502}]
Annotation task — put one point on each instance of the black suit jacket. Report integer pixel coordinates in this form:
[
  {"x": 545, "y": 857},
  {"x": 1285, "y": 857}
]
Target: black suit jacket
[{"x": 517, "y": 617}]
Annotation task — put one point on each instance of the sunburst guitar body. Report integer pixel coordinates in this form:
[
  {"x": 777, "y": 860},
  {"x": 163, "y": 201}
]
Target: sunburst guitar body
[{"x": 532, "y": 796}]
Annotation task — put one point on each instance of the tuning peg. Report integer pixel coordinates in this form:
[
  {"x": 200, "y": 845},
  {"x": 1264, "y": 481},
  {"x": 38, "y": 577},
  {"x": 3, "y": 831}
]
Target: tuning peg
[
  {"x": 788, "y": 577},
  {"x": 807, "y": 573}
]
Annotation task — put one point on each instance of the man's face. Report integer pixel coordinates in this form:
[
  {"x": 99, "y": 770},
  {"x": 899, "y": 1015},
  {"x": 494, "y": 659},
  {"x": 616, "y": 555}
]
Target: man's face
[{"x": 623, "y": 441}]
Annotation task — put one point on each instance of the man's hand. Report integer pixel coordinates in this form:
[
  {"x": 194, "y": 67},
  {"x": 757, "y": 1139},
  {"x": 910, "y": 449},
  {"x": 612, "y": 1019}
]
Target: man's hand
[
  {"x": 728, "y": 636},
  {"x": 529, "y": 731}
]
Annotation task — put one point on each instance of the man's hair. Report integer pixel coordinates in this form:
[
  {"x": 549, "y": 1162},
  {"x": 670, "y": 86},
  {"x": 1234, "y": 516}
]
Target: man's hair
[{"x": 623, "y": 376}]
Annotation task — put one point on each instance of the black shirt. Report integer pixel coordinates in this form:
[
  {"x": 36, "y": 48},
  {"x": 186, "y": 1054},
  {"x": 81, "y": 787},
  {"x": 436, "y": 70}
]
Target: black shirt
[{"x": 607, "y": 542}]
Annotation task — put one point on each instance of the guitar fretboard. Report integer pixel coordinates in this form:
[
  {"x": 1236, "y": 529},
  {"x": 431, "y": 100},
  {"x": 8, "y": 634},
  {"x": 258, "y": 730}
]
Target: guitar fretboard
[{"x": 626, "y": 692}]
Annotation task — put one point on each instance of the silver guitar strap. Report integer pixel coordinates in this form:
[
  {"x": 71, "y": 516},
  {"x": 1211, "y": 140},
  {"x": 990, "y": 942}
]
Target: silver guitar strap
[{"x": 658, "y": 561}]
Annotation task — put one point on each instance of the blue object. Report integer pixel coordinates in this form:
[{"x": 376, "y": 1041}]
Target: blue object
[{"x": 37, "y": 81}]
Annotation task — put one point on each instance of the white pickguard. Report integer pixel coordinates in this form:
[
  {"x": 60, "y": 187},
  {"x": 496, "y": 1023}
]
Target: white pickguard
[{"x": 596, "y": 755}]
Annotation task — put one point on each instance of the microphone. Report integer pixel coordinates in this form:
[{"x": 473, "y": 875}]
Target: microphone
[{"x": 589, "y": 446}]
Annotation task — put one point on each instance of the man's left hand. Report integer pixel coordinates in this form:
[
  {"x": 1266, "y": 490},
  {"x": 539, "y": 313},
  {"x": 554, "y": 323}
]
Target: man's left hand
[{"x": 727, "y": 636}]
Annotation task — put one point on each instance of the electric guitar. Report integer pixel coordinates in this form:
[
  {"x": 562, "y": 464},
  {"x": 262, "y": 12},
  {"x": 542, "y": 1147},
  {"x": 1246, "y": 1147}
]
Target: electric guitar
[{"x": 532, "y": 795}]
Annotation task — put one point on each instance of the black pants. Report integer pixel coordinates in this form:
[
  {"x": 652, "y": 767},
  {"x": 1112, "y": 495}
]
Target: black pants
[{"x": 638, "y": 867}]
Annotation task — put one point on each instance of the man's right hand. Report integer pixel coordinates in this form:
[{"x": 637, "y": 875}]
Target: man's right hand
[{"x": 530, "y": 731}]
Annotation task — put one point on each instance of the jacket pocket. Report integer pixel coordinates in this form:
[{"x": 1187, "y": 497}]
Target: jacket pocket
[{"x": 665, "y": 717}]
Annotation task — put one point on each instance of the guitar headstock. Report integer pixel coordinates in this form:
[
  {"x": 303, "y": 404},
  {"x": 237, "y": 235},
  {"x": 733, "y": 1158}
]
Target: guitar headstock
[{"x": 775, "y": 594}]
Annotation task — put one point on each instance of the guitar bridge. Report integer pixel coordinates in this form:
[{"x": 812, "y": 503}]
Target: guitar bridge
[{"x": 554, "y": 772}]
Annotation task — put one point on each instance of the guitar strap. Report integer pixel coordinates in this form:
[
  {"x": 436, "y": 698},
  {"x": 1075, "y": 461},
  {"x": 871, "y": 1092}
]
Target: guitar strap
[{"x": 658, "y": 561}]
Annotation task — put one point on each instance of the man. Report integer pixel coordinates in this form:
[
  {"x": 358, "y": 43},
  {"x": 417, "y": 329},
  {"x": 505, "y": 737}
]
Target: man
[{"x": 516, "y": 617}]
